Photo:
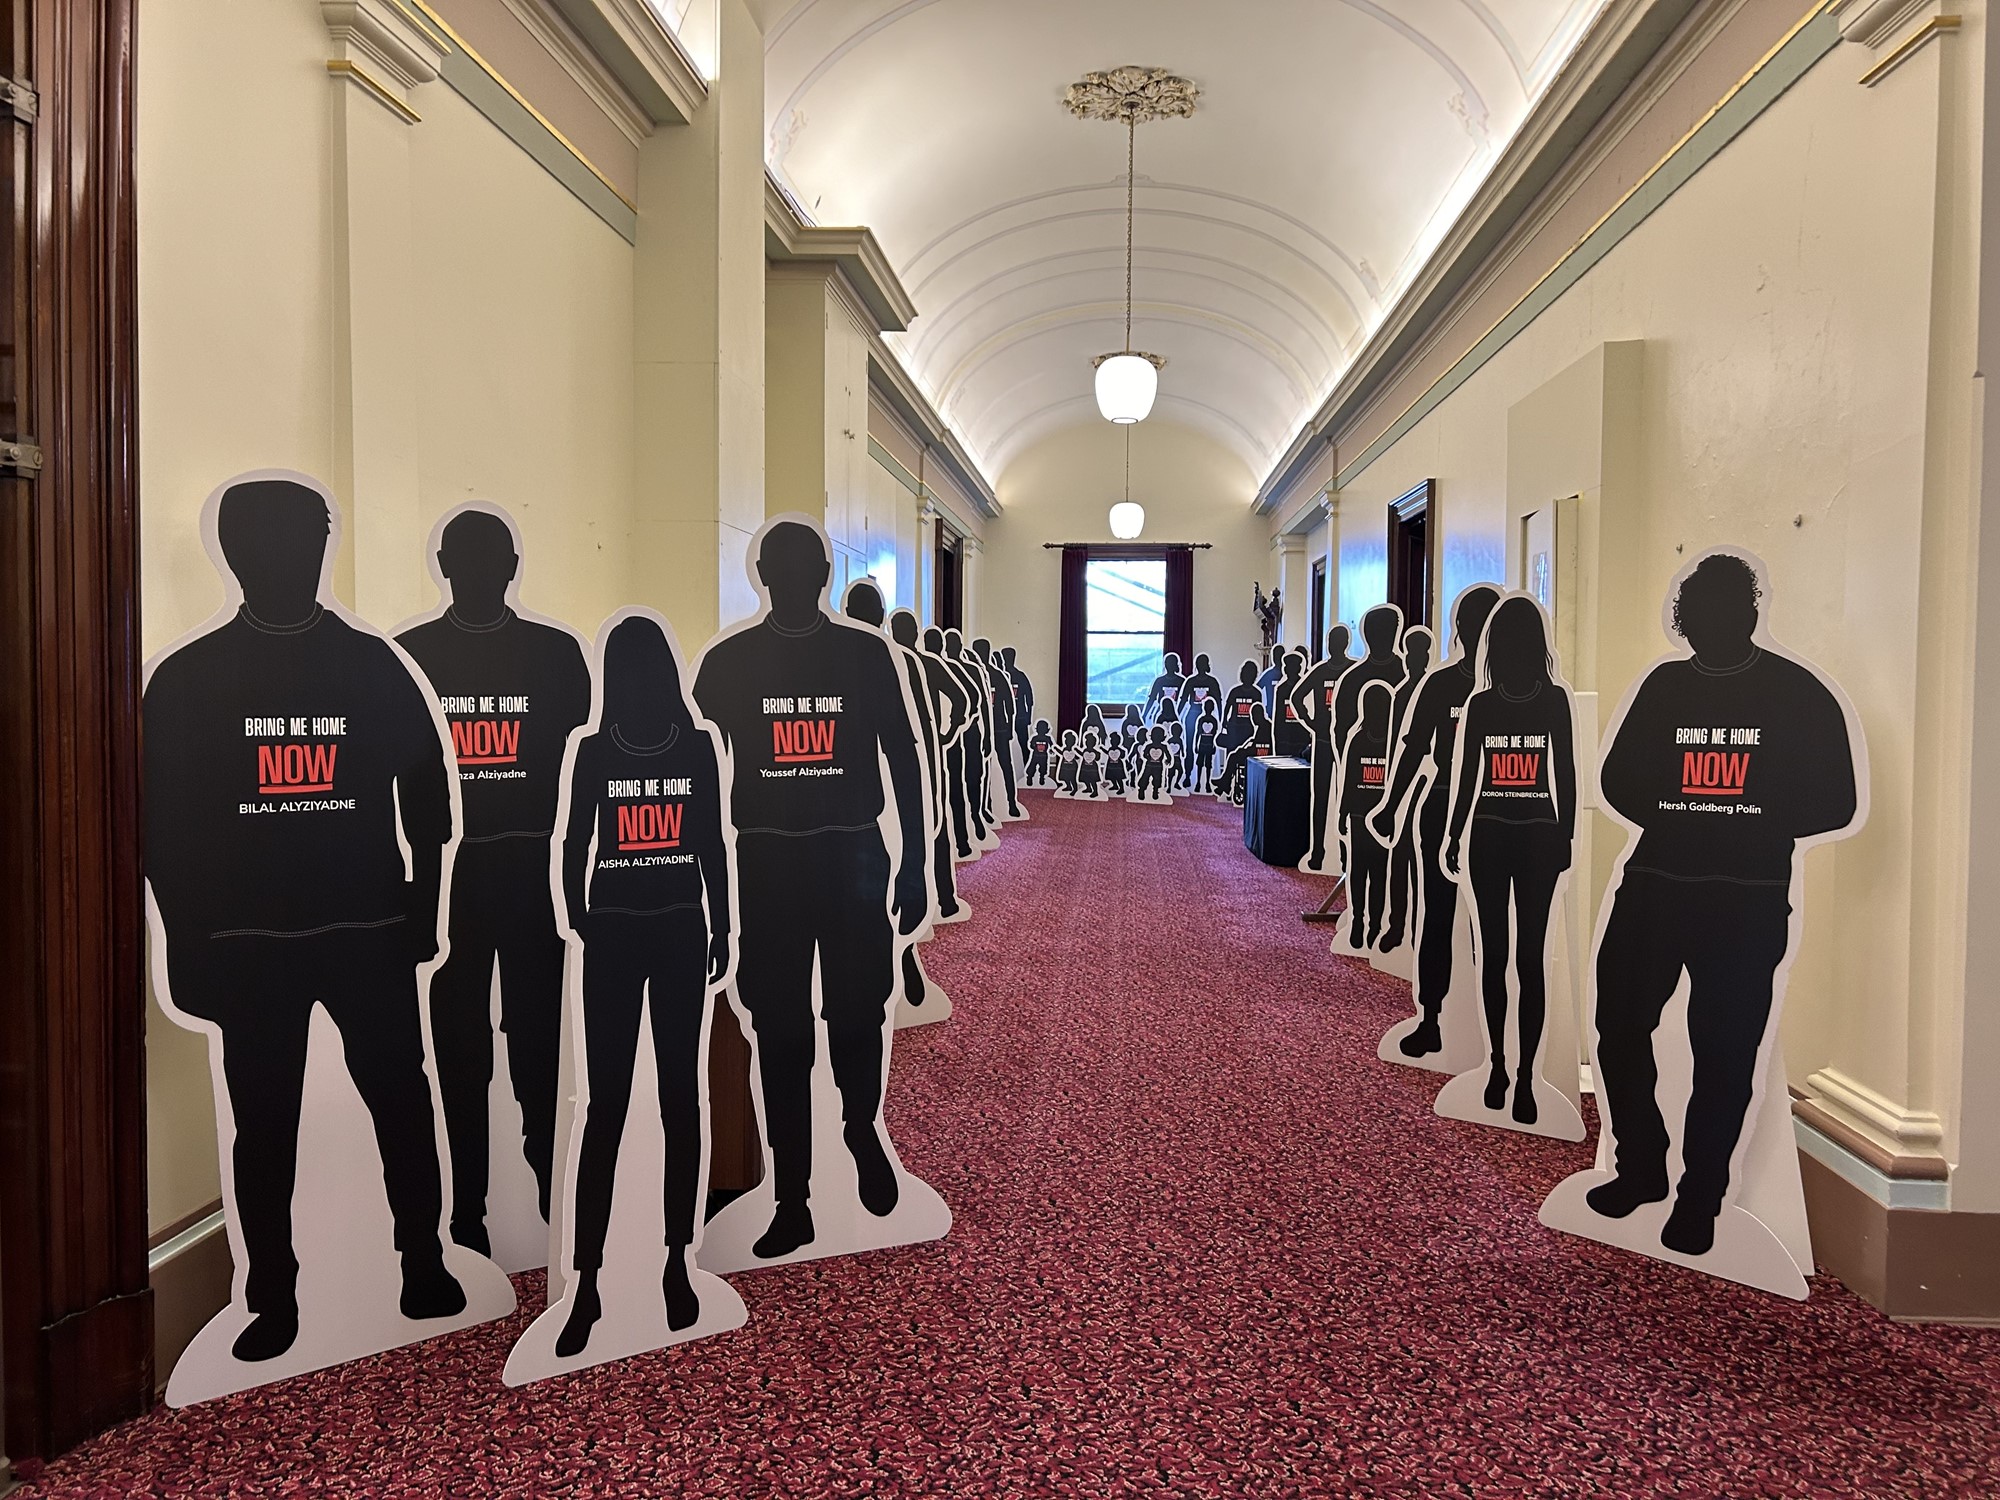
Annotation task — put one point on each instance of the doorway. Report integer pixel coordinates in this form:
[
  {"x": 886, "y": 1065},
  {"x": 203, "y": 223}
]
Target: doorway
[
  {"x": 947, "y": 607},
  {"x": 1316, "y": 608},
  {"x": 1410, "y": 553}
]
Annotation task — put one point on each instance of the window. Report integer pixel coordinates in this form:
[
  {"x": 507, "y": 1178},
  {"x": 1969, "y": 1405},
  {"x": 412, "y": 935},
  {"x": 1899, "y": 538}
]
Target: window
[{"x": 1125, "y": 622}]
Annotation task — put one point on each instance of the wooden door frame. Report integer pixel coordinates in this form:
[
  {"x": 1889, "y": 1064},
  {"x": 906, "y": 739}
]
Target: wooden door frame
[{"x": 76, "y": 1326}]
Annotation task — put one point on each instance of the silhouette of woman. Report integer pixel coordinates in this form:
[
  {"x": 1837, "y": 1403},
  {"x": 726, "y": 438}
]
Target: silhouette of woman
[
  {"x": 1364, "y": 765},
  {"x": 1514, "y": 816},
  {"x": 646, "y": 886},
  {"x": 1236, "y": 709}
]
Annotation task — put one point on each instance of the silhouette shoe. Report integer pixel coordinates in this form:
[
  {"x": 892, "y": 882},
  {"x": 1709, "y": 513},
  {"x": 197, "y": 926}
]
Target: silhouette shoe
[
  {"x": 1496, "y": 1087},
  {"x": 1525, "y": 1112},
  {"x": 473, "y": 1237},
  {"x": 683, "y": 1306},
  {"x": 1392, "y": 936},
  {"x": 269, "y": 1335},
  {"x": 585, "y": 1308},
  {"x": 1618, "y": 1197},
  {"x": 879, "y": 1190},
  {"x": 429, "y": 1290},
  {"x": 1422, "y": 1042},
  {"x": 1690, "y": 1229},
  {"x": 791, "y": 1227}
]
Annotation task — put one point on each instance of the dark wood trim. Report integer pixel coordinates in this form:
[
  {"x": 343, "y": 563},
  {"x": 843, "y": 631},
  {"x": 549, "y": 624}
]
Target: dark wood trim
[
  {"x": 1128, "y": 549},
  {"x": 181, "y": 1225},
  {"x": 1888, "y": 1163},
  {"x": 75, "y": 1308}
]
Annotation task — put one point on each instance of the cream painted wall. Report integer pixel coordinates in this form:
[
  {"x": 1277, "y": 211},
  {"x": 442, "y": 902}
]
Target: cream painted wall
[
  {"x": 1061, "y": 489},
  {"x": 1804, "y": 306},
  {"x": 521, "y": 342}
]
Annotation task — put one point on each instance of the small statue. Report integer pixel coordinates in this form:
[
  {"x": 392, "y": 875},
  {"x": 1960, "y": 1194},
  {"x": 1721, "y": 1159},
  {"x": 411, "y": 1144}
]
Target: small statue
[{"x": 1270, "y": 615}]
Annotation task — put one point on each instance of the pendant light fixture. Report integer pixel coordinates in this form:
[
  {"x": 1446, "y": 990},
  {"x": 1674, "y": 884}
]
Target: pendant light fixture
[
  {"x": 1127, "y": 519},
  {"x": 1129, "y": 380}
]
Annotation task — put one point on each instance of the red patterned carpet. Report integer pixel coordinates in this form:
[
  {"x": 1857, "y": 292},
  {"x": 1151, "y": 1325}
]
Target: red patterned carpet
[{"x": 1206, "y": 1245}]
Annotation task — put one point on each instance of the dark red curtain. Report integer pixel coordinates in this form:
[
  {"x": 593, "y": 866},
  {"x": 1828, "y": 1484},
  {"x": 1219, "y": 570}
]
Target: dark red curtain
[
  {"x": 1072, "y": 660},
  {"x": 1180, "y": 605}
]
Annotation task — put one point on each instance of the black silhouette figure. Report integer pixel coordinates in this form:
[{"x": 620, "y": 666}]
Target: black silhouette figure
[
  {"x": 1236, "y": 770},
  {"x": 1166, "y": 685},
  {"x": 1429, "y": 739},
  {"x": 1289, "y": 730},
  {"x": 645, "y": 877},
  {"x": 957, "y": 748},
  {"x": 865, "y": 603},
  {"x": 1403, "y": 853},
  {"x": 1311, "y": 699},
  {"x": 1706, "y": 888},
  {"x": 949, "y": 708},
  {"x": 1068, "y": 763},
  {"x": 1206, "y": 731},
  {"x": 1004, "y": 709},
  {"x": 806, "y": 704},
  {"x": 1115, "y": 757},
  {"x": 1364, "y": 774},
  {"x": 1155, "y": 761},
  {"x": 978, "y": 735},
  {"x": 1024, "y": 697},
  {"x": 1168, "y": 717},
  {"x": 511, "y": 690},
  {"x": 1039, "y": 745},
  {"x": 1089, "y": 766},
  {"x": 1517, "y": 792},
  {"x": 1235, "y": 711},
  {"x": 1267, "y": 684},
  {"x": 1201, "y": 691},
  {"x": 273, "y": 855}
]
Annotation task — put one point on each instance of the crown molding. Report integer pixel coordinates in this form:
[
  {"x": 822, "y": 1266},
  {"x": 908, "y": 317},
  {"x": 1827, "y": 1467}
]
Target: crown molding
[
  {"x": 383, "y": 50},
  {"x": 638, "y": 50},
  {"x": 789, "y": 236},
  {"x": 547, "y": 25},
  {"x": 1592, "y": 93}
]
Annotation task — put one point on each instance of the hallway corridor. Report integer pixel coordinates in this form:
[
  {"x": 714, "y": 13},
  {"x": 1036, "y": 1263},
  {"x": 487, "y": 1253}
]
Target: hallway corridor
[{"x": 1205, "y": 1244}]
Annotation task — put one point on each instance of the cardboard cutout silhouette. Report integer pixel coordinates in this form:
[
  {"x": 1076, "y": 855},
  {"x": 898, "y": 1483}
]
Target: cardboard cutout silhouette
[
  {"x": 1395, "y": 952},
  {"x": 512, "y": 685},
  {"x": 1041, "y": 744},
  {"x": 1090, "y": 768},
  {"x": 1069, "y": 763},
  {"x": 1289, "y": 731},
  {"x": 978, "y": 745},
  {"x": 1235, "y": 783},
  {"x": 1364, "y": 776},
  {"x": 1311, "y": 700},
  {"x": 644, "y": 882},
  {"x": 1200, "y": 693},
  {"x": 1005, "y": 731},
  {"x": 1444, "y": 1036},
  {"x": 827, "y": 797},
  {"x": 919, "y": 1000},
  {"x": 1510, "y": 843},
  {"x": 1235, "y": 713},
  {"x": 1207, "y": 732},
  {"x": 1024, "y": 699},
  {"x": 1725, "y": 761},
  {"x": 951, "y": 709},
  {"x": 1166, "y": 685},
  {"x": 1156, "y": 766},
  {"x": 292, "y": 756}
]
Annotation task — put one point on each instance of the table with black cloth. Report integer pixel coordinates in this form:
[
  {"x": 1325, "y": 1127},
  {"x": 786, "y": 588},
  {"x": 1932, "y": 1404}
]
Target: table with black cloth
[{"x": 1277, "y": 809}]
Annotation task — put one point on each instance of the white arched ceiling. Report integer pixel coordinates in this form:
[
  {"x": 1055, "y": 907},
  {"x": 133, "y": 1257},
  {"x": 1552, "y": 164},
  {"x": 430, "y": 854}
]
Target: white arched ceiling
[{"x": 1333, "y": 143}]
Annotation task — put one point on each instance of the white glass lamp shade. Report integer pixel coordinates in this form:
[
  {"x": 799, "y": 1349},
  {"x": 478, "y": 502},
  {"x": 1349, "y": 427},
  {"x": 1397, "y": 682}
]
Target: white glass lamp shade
[
  {"x": 1126, "y": 385},
  {"x": 1128, "y": 519}
]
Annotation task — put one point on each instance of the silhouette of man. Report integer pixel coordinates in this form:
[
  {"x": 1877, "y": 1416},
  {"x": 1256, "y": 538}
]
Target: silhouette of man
[
  {"x": 1024, "y": 698},
  {"x": 1166, "y": 685},
  {"x": 1403, "y": 853},
  {"x": 806, "y": 705},
  {"x": 978, "y": 733},
  {"x": 1429, "y": 737},
  {"x": 1000, "y": 686},
  {"x": 865, "y": 604},
  {"x": 1289, "y": 732},
  {"x": 1200, "y": 691},
  {"x": 949, "y": 708},
  {"x": 511, "y": 690},
  {"x": 1312, "y": 700},
  {"x": 285, "y": 751},
  {"x": 958, "y": 748},
  {"x": 1723, "y": 759}
]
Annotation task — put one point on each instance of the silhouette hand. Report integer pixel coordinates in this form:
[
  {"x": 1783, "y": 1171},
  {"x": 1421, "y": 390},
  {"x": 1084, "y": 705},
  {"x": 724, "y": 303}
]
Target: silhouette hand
[
  {"x": 422, "y": 923},
  {"x": 912, "y": 900},
  {"x": 1384, "y": 831},
  {"x": 718, "y": 956},
  {"x": 1451, "y": 856}
]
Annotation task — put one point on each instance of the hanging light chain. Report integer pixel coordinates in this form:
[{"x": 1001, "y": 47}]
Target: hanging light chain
[{"x": 1131, "y": 182}]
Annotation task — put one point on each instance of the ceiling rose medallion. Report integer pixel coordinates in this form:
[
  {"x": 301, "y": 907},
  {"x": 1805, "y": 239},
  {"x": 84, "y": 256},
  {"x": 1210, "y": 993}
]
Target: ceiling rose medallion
[{"x": 1128, "y": 380}]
